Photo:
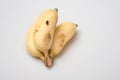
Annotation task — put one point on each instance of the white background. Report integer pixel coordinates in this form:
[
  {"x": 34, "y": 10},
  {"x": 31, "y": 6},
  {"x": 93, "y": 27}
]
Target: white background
[{"x": 93, "y": 54}]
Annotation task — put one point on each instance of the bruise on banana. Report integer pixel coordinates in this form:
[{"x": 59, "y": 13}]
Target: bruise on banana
[
  {"x": 62, "y": 40},
  {"x": 47, "y": 38}
]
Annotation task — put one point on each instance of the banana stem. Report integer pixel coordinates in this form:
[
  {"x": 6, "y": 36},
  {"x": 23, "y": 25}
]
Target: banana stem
[{"x": 48, "y": 60}]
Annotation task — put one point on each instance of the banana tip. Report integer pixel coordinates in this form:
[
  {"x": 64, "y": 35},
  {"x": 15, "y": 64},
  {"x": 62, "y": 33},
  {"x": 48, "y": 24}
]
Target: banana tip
[
  {"x": 56, "y": 9},
  {"x": 76, "y": 25}
]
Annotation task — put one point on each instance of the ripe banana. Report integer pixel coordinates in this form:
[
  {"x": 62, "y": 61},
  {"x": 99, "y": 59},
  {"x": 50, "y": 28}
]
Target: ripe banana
[
  {"x": 45, "y": 27},
  {"x": 40, "y": 35},
  {"x": 63, "y": 33},
  {"x": 30, "y": 45}
]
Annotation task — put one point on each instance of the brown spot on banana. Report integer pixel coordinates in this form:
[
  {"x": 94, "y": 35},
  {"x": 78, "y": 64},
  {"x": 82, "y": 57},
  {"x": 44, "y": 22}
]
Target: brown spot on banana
[
  {"x": 62, "y": 39},
  {"x": 47, "y": 22},
  {"x": 36, "y": 30}
]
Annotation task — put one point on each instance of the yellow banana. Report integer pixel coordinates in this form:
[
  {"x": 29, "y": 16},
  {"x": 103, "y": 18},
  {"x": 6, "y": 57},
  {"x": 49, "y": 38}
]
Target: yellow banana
[
  {"x": 63, "y": 33},
  {"x": 30, "y": 45},
  {"x": 45, "y": 27},
  {"x": 41, "y": 35}
]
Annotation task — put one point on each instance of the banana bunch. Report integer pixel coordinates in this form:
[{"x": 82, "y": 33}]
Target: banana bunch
[{"x": 44, "y": 40}]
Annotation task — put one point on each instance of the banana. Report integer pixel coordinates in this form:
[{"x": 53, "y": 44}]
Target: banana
[
  {"x": 30, "y": 45},
  {"x": 40, "y": 36},
  {"x": 63, "y": 33}
]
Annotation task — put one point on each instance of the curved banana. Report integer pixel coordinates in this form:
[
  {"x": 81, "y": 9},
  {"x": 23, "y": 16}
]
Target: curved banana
[
  {"x": 63, "y": 33},
  {"x": 41, "y": 35},
  {"x": 30, "y": 45}
]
